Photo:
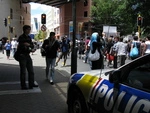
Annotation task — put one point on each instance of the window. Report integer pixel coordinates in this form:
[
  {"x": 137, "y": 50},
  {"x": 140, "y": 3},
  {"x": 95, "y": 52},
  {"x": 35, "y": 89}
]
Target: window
[
  {"x": 26, "y": 10},
  {"x": 85, "y": 26},
  {"x": 11, "y": 13},
  {"x": 85, "y": 2},
  {"x": 140, "y": 77},
  {"x": 20, "y": 4},
  {"x": 85, "y": 13}
]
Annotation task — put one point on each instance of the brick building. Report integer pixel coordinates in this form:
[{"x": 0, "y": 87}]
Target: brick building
[{"x": 83, "y": 28}]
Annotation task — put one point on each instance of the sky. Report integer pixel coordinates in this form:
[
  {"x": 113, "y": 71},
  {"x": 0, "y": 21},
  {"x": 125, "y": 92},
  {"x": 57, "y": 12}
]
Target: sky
[{"x": 37, "y": 10}]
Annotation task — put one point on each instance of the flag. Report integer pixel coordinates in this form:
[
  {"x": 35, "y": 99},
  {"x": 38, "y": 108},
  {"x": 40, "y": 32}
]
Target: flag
[{"x": 36, "y": 23}]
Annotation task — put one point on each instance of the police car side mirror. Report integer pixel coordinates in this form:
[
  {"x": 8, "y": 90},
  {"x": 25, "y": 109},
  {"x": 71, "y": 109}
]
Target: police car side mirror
[{"x": 114, "y": 76}]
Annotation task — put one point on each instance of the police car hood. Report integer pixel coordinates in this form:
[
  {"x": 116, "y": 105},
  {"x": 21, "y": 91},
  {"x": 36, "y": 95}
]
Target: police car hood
[{"x": 103, "y": 73}]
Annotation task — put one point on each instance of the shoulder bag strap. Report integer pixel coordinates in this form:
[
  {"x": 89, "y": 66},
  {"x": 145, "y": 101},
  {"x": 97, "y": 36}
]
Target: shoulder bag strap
[
  {"x": 52, "y": 44},
  {"x": 135, "y": 44}
]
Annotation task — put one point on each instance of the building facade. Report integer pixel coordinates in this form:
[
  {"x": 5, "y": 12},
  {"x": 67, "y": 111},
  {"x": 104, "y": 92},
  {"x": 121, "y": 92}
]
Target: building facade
[
  {"x": 17, "y": 14},
  {"x": 53, "y": 21},
  {"x": 82, "y": 19}
]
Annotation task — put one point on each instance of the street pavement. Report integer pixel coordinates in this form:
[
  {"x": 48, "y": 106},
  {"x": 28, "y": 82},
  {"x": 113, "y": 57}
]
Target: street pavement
[{"x": 46, "y": 98}]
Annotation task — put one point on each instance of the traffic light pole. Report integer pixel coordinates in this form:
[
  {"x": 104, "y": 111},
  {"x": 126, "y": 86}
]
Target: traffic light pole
[
  {"x": 139, "y": 31},
  {"x": 74, "y": 49},
  {"x": 139, "y": 24}
]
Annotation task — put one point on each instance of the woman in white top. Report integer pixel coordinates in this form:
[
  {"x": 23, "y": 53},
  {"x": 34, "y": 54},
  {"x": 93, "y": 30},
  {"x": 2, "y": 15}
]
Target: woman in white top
[{"x": 147, "y": 45}]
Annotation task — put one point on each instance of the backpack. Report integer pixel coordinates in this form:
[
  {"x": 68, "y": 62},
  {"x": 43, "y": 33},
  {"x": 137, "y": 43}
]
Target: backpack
[
  {"x": 64, "y": 46},
  {"x": 134, "y": 52}
]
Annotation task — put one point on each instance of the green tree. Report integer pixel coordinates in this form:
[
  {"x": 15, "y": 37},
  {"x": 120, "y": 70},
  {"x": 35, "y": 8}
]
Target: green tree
[
  {"x": 122, "y": 13},
  {"x": 142, "y": 7},
  {"x": 102, "y": 13},
  {"x": 40, "y": 35}
]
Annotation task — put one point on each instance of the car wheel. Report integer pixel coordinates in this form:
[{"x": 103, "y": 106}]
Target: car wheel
[{"x": 76, "y": 102}]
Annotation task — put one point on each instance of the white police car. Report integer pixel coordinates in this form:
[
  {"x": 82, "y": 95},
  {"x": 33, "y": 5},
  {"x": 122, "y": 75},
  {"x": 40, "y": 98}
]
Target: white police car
[{"x": 124, "y": 90}]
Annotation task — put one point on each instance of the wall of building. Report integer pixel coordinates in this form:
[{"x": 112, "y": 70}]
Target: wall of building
[
  {"x": 66, "y": 17},
  {"x": 17, "y": 14},
  {"x": 52, "y": 23}
]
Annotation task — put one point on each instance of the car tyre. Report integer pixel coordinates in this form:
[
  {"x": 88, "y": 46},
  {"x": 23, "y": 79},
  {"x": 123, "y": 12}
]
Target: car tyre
[{"x": 76, "y": 103}]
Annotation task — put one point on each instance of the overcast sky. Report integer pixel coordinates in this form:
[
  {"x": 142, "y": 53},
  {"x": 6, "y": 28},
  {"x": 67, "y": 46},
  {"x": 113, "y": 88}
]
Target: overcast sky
[{"x": 37, "y": 10}]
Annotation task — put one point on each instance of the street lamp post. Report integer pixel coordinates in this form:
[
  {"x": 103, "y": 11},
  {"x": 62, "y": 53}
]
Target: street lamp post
[
  {"x": 139, "y": 24},
  {"x": 74, "y": 49}
]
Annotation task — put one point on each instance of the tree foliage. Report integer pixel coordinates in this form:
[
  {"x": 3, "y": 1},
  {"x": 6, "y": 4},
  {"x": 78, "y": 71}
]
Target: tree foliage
[
  {"x": 121, "y": 13},
  {"x": 40, "y": 36}
]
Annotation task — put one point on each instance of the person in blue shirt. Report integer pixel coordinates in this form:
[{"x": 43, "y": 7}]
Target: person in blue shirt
[
  {"x": 8, "y": 48},
  {"x": 64, "y": 51}
]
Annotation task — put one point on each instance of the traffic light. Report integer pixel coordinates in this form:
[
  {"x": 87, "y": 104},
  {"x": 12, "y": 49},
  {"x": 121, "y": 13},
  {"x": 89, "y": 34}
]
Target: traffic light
[
  {"x": 139, "y": 20},
  {"x": 43, "y": 18},
  {"x": 5, "y": 22}
]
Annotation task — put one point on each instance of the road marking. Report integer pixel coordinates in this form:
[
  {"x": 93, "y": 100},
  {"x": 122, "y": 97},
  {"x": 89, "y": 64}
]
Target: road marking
[
  {"x": 19, "y": 91},
  {"x": 15, "y": 82},
  {"x": 10, "y": 92}
]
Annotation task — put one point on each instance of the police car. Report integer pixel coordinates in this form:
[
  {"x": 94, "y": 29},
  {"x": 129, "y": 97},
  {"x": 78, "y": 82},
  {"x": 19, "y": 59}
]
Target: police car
[{"x": 123, "y": 90}]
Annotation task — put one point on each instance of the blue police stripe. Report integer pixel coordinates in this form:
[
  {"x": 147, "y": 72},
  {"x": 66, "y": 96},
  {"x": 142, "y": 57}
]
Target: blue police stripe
[{"x": 76, "y": 77}]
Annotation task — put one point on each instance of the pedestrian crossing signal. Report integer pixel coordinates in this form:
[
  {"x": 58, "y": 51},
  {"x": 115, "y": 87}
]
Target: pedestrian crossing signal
[{"x": 43, "y": 18}]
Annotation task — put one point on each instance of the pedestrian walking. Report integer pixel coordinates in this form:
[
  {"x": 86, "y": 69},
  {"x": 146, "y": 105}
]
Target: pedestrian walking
[
  {"x": 87, "y": 49},
  {"x": 3, "y": 44},
  {"x": 7, "y": 47},
  {"x": 95, "y": 44},
  {"x": 136, "y": 43},
  {"x": 146, "y": 49},
  {"x": 14, "y": 44},
  {"x": 129, "y": 42},
  {"x": 143, "y": 46},
  {"x": 51, "y": 46},
  {"x": 114, "y": 49},
  {"x": 109, "y": 56},
  {"x": 121, "y": 51},
  {"x": 81, "y": 48},
  {"x": 64, "y": 48},
  {"x": 25, "y": 46}
]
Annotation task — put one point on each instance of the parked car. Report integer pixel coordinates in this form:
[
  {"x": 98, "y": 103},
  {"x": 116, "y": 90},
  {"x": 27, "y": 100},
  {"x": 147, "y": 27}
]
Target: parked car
[{"x": 123, "y": 90}]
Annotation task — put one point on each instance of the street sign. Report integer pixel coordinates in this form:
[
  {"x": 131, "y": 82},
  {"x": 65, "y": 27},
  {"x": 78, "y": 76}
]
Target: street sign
[{"x": 43, "y": 27}]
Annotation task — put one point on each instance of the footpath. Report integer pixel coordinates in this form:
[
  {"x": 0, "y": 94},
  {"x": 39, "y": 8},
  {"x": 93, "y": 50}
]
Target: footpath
[{"x": 46, "y": 98}]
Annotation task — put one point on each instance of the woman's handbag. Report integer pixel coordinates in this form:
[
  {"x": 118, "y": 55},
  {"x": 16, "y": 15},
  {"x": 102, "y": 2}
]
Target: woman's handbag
[
  {"x": 43, "y": 52},
  {"x": 17, "y": 56},
  {"x": 95, "y": 56},
  {"x": 134, "y": 52},
  {"x": 110, "y": 57}
]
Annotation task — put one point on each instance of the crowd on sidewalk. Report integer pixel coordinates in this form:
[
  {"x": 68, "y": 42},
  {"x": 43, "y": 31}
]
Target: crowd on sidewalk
[{"x": 115, "y": 50}]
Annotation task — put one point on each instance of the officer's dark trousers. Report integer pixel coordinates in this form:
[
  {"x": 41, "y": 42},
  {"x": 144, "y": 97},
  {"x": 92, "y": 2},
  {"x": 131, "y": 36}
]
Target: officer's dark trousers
[{"x": 26, "y": 63}]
